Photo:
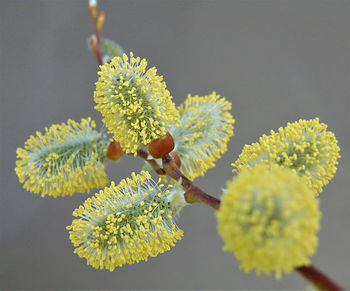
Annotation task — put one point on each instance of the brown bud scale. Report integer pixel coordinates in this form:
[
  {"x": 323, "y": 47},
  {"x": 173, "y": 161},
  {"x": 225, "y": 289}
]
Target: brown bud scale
[
  {"x": 114, "y": 151},
  {"x": 160, "y": 147},
  {"x": 176, "y": 159}
]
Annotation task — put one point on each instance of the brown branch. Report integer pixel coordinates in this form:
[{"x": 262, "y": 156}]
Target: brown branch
[
  {"x": 193, "y": 193},
  {"x": 143, "y": 154},
  {"x": 98, "y": 50},
  {"x": 98, "y": 18},
  {"x": 318, "y": 279}
]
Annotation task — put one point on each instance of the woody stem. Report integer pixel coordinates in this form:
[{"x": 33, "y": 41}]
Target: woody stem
[{"x": 98, "y": 51}]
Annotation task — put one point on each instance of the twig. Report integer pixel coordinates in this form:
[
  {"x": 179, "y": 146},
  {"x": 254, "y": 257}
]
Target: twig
[
  {"x": 193, "y": 193},
  {"x": 318, "y": 279},
  {"x": 98, "y": 18},
  {"x": 98, "y": 51},
  {"x": 143, "y": 154}
]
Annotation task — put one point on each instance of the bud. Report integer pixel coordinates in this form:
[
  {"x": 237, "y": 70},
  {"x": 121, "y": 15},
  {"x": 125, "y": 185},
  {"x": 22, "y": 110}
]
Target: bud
[
  {"x": 92, "y": 8},
  {"x": 176, "y": 159},
  {"x": 68, "y": 158},
  {"x": 162, "y": 146},
  {"x": 269, "y": 217},
  {"x": 100, "y": 21},
  {"x": 114, "y": 151},
  {"x": 91, "y": 43},
  {"x": 127, "y": 223}
]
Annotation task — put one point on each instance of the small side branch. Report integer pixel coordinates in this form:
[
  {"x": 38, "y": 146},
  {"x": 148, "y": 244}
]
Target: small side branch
[
  {"x": 143, "y": 154},
  {"x": 193, "y": 193},
  {"x": 98, "y": 18}
]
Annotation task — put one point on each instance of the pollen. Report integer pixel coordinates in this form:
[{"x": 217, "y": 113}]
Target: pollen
[
  {"x": 206, "y": 127},
  {"x": 269, "y": 218},
  {"x": 108, "y": 234},
  {"x": 305, "y": 146},
  {"x": 67, "y": 158},
  {"x": 134, "y": 102}
]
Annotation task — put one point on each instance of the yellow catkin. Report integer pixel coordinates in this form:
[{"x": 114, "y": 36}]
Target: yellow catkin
[
  {"x": 304, "y": 145},
  {"x": 67, "y": 158},
  {"x": 269, "y": 218},
  {"x": 206, "y": 127},
  {"x": 134, "y": 102},
  {"x": 121, "y": 225}
]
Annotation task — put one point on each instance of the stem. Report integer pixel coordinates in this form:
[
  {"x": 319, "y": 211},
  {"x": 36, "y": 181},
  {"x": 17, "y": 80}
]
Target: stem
[
  {"x": 196, "y": 195},
  {"x": 153, "y": 163},
  {"x": 193, "y": 193},
  {"x": 98, "y": 51},
  {"x": 317, "y": 278},
  {"x": 96, "y": 47}
]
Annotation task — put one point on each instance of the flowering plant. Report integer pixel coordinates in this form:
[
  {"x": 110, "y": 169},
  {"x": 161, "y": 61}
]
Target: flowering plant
[{"x": 268, "y": 216}]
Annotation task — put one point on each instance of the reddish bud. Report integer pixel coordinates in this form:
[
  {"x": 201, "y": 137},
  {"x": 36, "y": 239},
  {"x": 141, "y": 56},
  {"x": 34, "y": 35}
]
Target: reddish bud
[
  {"x": 100, "y": 20},
  {"x": 92, "y": 7},
  {"x": 93, "y": 43},
  {"x": 114, "y": 151},
  {"x": 176, "y": 159},
  {"x": 160, "y": 147}
]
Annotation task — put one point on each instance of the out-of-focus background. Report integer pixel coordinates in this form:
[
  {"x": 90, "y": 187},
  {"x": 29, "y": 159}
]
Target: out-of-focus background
[{"x": 276, "y": 61}]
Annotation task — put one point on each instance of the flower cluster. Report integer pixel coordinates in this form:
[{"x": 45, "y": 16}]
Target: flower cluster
[
  {"x": 126, "y": 223},
  {"x": 268, "y": 216},
  {"x": 269, "y": 219},
  {"x": 206, "y": 127},
  {"x": 135, "y": 104},
  {"x": 68, "y": 158},
  {"x": 305, "y": 146}
]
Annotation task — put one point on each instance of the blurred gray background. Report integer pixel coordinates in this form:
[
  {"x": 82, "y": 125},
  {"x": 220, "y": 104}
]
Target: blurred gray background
[{"x": 276, "y": 61}]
